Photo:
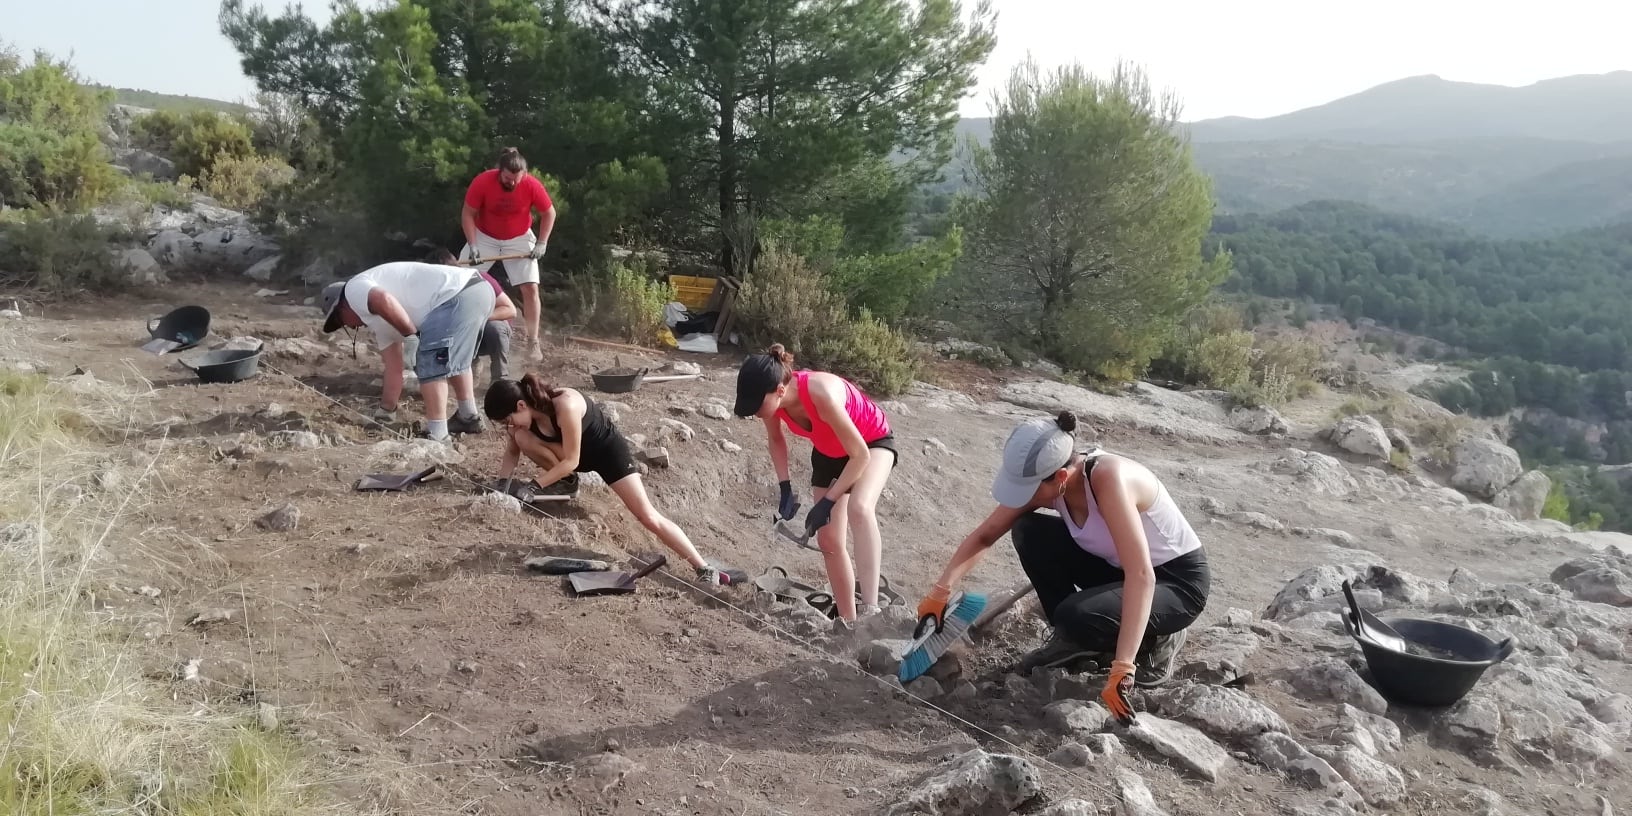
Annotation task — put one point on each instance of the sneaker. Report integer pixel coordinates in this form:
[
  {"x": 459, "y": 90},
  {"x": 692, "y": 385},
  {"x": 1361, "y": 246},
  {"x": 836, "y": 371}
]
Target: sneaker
[
  {"x": 465, "y": 425},
  {"x": 536, "y": 351},
  {"x": 1155, "y": 667},
  {"x": 1061, "y": 652},
  {"x": 866, "y": 610},
  {"x": 710, "y": 575}
]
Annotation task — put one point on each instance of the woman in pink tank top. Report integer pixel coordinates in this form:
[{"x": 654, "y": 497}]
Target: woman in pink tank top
[
  {"x": 852, "y": 455},
  {"x": 1118, "y": 570}
]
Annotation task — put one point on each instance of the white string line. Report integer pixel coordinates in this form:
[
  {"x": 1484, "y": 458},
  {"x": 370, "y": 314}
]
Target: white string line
[{"x": 808, "y": 646}]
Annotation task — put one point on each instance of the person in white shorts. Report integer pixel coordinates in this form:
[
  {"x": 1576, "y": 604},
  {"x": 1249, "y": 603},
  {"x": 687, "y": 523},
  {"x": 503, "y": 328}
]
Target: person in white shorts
[{"x": 497, "y": 220}]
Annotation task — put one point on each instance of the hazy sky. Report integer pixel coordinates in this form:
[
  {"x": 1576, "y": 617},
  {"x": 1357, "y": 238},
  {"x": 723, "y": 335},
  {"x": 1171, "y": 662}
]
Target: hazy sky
[{"x": 1246, "y": 58}]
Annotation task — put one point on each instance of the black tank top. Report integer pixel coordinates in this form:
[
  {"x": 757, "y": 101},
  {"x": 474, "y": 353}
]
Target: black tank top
[{"x": 597, "y": 428}]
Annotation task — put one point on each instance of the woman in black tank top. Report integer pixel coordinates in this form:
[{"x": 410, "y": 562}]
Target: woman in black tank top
[{"x": 564, "y": 432}]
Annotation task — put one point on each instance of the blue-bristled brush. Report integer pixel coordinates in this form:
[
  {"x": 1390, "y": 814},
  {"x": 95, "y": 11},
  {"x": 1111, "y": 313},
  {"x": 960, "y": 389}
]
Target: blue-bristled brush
[{"x": 931, "y": 638}]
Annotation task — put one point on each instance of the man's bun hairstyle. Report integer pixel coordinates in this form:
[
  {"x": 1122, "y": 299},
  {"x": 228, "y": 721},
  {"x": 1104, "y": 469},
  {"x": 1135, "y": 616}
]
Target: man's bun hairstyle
[{"x": 510, "y": 160}]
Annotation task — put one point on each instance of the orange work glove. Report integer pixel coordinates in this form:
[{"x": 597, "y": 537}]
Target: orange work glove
[
  {"x": 935, "y": 604},
  {"x": 1117, "y": 688}
]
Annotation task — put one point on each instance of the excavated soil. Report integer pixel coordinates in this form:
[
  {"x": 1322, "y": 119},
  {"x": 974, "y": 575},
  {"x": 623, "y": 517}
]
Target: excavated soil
[{"x": 406, "y": 623}]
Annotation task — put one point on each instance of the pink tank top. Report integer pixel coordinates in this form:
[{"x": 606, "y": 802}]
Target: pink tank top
[{"x": 868, "y": 417}]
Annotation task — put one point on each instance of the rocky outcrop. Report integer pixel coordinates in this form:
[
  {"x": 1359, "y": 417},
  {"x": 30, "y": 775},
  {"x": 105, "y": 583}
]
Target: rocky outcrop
[
  {"x": 974, "y": 784},
  {"x": 1483, "y": 467},
  {"x": 1525, "y": 497},
  {"x": 1315, "y": 472},
  {"x": 1362, "y": 436},
  {"x": 1259, "y": 421}
]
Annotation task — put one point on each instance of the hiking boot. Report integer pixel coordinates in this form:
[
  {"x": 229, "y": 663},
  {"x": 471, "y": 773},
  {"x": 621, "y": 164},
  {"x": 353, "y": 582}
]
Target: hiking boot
[
  {"x": 1061, "y": 652},
  {"x": 1155, "y": 667},
  {"x": 465, "y": 425}
]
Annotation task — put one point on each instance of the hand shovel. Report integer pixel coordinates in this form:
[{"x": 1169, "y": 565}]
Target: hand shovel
[
  {"x": 392, "y": 482},
  {"x": 1364, "y": 625},
  {"x": 612, "y": 583}
]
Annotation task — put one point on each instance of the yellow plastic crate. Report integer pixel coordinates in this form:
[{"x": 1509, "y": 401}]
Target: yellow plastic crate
[{"x": 694, "y": 293}]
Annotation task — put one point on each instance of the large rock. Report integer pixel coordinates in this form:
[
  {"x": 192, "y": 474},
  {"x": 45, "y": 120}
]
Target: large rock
[
  {"x": 1286, "y": 756},
  {"x": 1473, "y": 726},
  {"x": 1380, "y": 784},
  {"x": 1189, "y": 748},
  {"x": 1369, "y": 732},
  {"x": 1311, "y": 585},
  {"x": 264, "y": 269},
  {"x": 1362, "y": 436},
  {"x": 1315, "y": 472},
  {"x": 974, "y": 784},
  {"x": 1604, "y": 577},
  {"x": 141, "y": 161},
  {"x": 1483, "y": 467},
  {"x": 1525, "y": 497},
  {"x": 232, "y": 250},
  {"x": 1336, "y": 680},
  {"x": 1153, "y": 410},
  {"x": 412, "y": 455},
  {"x": 140, "y": 267},
  {"x": 1076, "y": 718},
  {"x": 1260, "y": 421},
  {"x": 1225, "y": 713},
  {"x": 1134, "y": 796}
]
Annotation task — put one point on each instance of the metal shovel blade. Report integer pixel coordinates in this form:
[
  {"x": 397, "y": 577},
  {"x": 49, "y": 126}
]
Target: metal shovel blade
[
  {"x": 1364, "y": 625},
  {"x": 612, "y": 583},
  {"x": 393, "y": 481},
  {"x": 160, "y": 345}
]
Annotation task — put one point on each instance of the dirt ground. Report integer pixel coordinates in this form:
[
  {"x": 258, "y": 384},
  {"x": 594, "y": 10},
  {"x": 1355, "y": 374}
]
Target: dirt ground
[{"x": 406, "y": 623}]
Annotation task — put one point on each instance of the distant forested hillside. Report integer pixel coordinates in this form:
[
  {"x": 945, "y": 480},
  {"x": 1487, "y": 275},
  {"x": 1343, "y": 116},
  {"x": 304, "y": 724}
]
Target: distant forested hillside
[{"x": 173, "y": 102}]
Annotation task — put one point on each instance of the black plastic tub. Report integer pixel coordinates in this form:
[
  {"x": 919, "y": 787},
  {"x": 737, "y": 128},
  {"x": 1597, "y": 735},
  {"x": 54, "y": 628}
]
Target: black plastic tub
[
  {"x": 226, "y": 366},
  {"x": 1442, "y": 663},
  {"x": 186, "y": 327}
]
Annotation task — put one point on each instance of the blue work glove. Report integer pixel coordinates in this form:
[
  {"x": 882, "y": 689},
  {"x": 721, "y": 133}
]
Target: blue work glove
[
  {"x": 787, "y": 505},
  {"x": 819, "y": 516}
]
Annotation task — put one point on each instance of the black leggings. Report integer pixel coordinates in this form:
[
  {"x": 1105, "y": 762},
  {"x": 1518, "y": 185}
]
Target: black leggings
[{"x": 1082, "y": 594}]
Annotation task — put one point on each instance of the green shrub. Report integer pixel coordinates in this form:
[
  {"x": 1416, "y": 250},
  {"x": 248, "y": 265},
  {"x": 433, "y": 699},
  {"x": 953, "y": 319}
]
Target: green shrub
[
  {"x": 195, "y": 140},
  {"x": 1399, "y": 460},
  {"x": 1557, "y": 505},
  {"x": 878, "y": 358},
  {"x": 632, "y": 305},
  {"x": 1221, "y": 361},
  {"x": 172, "y": 194},
  {"x": 787, "y": 301},
  {"x": 244, "y": 182},
  {"x": 51, "y": 153},
  {"x": 57, "y": 251}
]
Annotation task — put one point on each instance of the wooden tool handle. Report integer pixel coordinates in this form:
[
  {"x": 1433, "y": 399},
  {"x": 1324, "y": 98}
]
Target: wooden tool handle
[{"x": 659, "y": 561}]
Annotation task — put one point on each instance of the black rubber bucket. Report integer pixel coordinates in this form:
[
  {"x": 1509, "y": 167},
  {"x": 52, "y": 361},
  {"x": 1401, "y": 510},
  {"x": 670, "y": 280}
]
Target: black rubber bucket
[
  {"x": 186, "y": 326},
  {"x": 618, "y": 381},
  {"x": 1441, "y": 664},
  {"x": 226, "y": 366}
]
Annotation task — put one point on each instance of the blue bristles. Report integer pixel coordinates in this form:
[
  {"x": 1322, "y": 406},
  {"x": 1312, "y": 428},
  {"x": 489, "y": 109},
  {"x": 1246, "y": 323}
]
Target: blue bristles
[{"x": 958, "y": 619}]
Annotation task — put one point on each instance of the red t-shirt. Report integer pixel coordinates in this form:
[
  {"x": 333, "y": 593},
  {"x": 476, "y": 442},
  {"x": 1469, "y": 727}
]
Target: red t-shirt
[{"x": 502, "y": 213}]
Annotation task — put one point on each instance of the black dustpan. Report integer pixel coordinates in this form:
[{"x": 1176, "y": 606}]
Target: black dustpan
[
  {"x": 612, "y": 583},
  {"x": 393, "y": 481}
]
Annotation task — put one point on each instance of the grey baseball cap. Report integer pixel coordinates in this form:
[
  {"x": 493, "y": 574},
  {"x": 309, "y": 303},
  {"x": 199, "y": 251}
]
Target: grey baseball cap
[
  {"x": 333, "y": 294},
  {"x": 1033, "y": 452}
]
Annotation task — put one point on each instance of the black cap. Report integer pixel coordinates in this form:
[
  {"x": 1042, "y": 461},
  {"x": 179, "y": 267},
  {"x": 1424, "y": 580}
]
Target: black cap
[{"x": 760, "y": 375}]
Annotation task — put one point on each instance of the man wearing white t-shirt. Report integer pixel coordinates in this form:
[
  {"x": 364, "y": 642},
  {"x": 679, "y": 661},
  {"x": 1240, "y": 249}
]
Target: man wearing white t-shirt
[{"x": 446, "y": 307}]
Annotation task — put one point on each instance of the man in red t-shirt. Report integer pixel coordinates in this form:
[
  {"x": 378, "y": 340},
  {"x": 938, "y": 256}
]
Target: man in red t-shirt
[{"x": 497, "y": 220}]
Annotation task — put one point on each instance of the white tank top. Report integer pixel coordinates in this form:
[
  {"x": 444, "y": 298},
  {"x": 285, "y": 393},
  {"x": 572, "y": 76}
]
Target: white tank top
[{"x": 1166, "y": 529}]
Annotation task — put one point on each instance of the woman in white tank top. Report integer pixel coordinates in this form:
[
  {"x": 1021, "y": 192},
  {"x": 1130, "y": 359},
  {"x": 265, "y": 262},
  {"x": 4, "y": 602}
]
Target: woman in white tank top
[{"x": 1119, "y": 571}]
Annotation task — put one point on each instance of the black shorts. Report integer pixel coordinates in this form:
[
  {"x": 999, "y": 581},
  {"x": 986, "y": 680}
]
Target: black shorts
[
  {"x": 608, "y": 456},
  {"x": 825, "y": 470}
]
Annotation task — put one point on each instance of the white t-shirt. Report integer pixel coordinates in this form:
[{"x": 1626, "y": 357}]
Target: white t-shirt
[{"x": 419, "y": 287}]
